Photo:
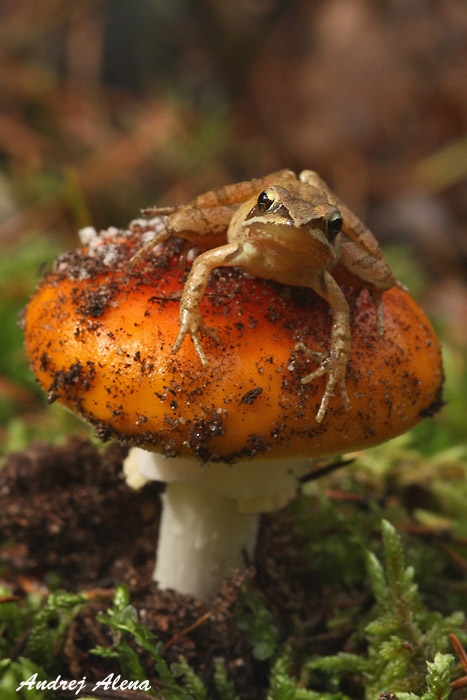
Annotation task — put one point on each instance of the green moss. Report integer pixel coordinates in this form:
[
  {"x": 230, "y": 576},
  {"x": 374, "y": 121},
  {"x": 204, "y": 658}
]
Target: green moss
[{"x": 403, "y": 635}]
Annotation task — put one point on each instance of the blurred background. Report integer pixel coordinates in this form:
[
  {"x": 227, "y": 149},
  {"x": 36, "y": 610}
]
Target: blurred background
[{"x": 108, "y": 106}]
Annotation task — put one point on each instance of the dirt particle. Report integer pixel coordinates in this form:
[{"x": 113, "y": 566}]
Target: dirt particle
[
  {"x": 251, "y": 396},
  {"x": 436, "y": 405},
  {"x": 93, "y": 302},
  {"x": 66, "y": 381},
  {"x": 44, "y": 362}
]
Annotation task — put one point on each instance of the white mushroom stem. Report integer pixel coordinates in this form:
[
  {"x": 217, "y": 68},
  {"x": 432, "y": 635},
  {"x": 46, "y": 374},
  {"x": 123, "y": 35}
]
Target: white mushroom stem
[
  {"x": 210, "y": 513},
  {"x": 202, "y": 537}
]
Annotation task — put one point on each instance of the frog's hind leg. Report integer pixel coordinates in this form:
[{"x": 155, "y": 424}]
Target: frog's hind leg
[
  {"x": 312, "y": 178},
  {"x": 377, "y": 297},
  {"x": 159, "y": 237},
  {"x": 187, "y": 246},
  {"x": 355, "y": 229},
  {"x": 151, "y": 212}
]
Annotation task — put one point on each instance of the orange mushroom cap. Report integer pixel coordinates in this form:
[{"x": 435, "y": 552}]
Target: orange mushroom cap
[{"x": 99, "y": 334}]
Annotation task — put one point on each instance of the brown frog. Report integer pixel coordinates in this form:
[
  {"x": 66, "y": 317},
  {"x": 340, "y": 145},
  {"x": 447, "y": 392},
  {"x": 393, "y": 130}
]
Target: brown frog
[{"x": 290, "y": 229}]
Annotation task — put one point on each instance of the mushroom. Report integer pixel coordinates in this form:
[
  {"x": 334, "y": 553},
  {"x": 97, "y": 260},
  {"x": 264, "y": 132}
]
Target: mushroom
[{"x": 231, "y": 440}]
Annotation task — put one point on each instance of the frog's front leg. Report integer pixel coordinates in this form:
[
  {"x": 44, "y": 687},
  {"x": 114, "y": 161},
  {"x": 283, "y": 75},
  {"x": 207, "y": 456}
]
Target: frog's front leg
[
  {"x": 334, "y": 363},
  {"x": 191, "y": 322}
]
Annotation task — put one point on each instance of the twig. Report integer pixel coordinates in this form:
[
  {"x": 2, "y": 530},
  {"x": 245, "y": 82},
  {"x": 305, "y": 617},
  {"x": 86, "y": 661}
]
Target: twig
[
  {"x": 327, "y": 469},
  {"x": 221, "y": 608},
  {"x": 20, "y": 644},
  {"x": 432, "y": 533},
  {"x": 190, "y": 628},
  {"x": 457, "y": 559},
  {"x": 462, "y": 654},
  {"x": 9, "y": 598}
]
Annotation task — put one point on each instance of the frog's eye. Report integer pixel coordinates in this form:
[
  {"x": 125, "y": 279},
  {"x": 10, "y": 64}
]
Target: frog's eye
[
  {"x": 334, "y": 225},
  {"x": 266, "y": 199}
]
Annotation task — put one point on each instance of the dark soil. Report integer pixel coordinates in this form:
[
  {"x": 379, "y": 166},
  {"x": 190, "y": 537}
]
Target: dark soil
[{"x": 67, "y": 510}]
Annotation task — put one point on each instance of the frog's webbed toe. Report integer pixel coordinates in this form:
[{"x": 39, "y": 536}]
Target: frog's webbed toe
[
  {"x": 335, "y": 366},
  {"x": 317, "y": 357},
  {"x": 193, "y": 325},
  {"x": 204, "y": 329}
]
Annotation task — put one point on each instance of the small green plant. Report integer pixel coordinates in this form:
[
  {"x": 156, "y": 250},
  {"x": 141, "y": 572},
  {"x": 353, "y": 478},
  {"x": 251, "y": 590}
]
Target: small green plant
[
  {"x": 402, "y": 638},
  {"x": 14, "y": 673},
  {"x": 50, "y": 623},
  {"x": 177, "y": 681},
  {"x": 34, "y": 633},
  {"x": 438, "y": 680},
  {"x": 255, "y": 620},
  {"x": 284, "y": 686}
]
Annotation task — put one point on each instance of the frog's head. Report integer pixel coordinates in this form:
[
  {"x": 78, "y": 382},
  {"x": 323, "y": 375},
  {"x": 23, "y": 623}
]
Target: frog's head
[{"x": 276, "y": 208}]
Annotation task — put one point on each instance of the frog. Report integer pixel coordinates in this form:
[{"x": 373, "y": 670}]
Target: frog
[{"x": 292, "y": 229}]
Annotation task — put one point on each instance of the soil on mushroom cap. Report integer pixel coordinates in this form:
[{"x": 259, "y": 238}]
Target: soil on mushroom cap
[{"x": 67, "y": 510}]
